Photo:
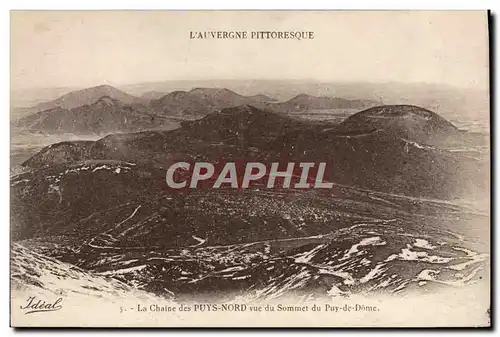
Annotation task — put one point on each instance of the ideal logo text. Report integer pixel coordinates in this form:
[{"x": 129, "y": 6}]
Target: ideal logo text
[{"x": 33, "y": 304}]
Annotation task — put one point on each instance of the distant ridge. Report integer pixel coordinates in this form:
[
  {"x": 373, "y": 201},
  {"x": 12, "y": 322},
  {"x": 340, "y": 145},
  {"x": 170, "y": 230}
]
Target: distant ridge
[
  {"x": 87, "y": 96},
  {"x": 262, "y": 98},
  {"x": 105, "y": 115},
  {"x": 202, "y": 101},
  {"x": 151, "y": 95},
  {"x": 308, "y": 102}
]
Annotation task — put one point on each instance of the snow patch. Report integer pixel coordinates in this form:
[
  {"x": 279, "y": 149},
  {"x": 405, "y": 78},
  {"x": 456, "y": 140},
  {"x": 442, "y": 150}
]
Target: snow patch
[
  {"x": 421, "y": 243},
  {"x": 307, "y": 256},
  {"x": 407, "y": 254},
  {"x": 373, "y": 241},
  {"x": 124, "y": 270},
  {"x": 378, "y": 270}
]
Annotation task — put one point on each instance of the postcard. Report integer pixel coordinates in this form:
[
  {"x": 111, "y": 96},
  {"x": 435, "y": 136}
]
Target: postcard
[{"x": 250, "y": 169}]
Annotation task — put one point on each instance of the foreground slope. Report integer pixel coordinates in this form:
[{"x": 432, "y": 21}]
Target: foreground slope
[{"x": 35, "y": 274}]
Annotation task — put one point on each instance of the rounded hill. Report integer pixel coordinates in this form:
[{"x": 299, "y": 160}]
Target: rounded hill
[{"x": 405, "y": 120}]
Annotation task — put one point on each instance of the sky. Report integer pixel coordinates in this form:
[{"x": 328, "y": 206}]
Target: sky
[{"x": 79, "y": 49}]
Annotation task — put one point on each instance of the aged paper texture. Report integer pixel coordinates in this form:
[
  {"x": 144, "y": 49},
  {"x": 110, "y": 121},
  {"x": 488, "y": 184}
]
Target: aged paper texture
[{"x": 250, "y": 169}]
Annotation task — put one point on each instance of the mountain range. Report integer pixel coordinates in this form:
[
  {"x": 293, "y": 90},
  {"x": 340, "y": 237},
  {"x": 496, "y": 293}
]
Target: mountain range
[
  {"x": 105, "y": 109},
  {"x": 201, "y": 101},
  {"x": 436, "y": 97}
]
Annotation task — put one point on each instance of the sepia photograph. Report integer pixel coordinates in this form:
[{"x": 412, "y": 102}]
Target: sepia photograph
[{"x": 250, "y": 169}]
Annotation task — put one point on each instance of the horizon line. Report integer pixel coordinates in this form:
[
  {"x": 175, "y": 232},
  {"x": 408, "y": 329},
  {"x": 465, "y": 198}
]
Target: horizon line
[{"x": 305, "y": 80}]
